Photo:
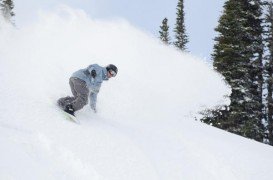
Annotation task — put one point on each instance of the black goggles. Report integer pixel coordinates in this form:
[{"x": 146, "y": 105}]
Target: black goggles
[{"x": 113, "y": 73}]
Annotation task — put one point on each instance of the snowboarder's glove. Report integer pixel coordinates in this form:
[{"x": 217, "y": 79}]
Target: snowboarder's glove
[
  {"x": 93, "y": 73},
  {"x": 94, "y": 109}
]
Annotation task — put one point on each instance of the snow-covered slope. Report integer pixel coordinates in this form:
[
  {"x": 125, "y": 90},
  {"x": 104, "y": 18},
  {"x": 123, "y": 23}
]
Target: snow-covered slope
[{"x": 144, "y": 128}]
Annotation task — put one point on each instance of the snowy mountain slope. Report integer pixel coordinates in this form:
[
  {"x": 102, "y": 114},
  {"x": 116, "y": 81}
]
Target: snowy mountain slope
[{"x": 144, "y": 128}]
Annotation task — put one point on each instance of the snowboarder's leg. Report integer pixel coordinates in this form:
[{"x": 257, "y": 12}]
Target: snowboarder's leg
[
  {"x": 72, "y": 86},
  {"x": 80, "y": 91},
  {"x": 63, "y": 102}
]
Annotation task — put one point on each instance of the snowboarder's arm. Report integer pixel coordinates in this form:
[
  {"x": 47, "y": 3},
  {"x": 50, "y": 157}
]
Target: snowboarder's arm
[
  {"x": 93, "y": 101},
  {"x": 92, "y": 71},
  {"x": 93, "y": 97}
]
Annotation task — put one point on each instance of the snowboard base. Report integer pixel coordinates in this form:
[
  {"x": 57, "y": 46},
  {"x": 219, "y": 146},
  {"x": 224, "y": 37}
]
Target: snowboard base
[{"x": 71, "y": 117}]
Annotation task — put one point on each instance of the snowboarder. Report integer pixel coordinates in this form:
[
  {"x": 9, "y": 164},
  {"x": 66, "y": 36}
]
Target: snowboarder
[{"x": 86, "y": 83}]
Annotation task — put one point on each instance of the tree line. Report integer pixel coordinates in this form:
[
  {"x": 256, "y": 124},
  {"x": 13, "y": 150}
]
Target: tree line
[
  {"x": 181, "y": 38},
  {"x": 6, "y": 10},
  {"x": 243, "y": 54}
]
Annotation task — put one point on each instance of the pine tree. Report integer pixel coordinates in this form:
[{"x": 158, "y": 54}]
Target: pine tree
[
  {"x": 231, "y": 61},
  {"x": 7, "y": 9},
  {"x": 238, "y": 56},
  {"x": 269, "y": 71},
  {"x": 180, "y": 30},
  {"x": 254, "y": 32},
  {"x": 164, "y": 31}
]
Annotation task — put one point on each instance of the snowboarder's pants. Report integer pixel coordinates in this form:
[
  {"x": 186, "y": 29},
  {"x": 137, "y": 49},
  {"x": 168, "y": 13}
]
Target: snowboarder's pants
[{"x": 80, "y": 93}]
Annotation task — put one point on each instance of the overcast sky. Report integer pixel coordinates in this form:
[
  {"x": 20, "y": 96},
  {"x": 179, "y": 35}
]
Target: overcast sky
[{"x": 201, "y": 16}]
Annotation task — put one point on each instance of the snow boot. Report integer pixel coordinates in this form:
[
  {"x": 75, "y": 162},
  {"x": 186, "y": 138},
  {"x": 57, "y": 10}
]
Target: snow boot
[{"x": 69, "y": 109}]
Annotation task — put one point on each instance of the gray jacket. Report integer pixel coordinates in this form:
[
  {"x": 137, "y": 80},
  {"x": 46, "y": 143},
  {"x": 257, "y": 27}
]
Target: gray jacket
[{"x": 93, "y": 84}]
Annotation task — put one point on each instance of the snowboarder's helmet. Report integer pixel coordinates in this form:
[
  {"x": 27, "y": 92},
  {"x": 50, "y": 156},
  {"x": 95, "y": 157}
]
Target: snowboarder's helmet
[{"x": 112, "y": 69}]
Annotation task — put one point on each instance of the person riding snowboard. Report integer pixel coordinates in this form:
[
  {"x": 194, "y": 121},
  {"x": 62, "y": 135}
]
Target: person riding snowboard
[{"x": 86, "y": 83}]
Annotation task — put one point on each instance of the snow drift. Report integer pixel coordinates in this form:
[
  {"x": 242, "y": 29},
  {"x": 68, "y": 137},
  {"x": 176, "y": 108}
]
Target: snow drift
[{"x": 144, "y": 128}]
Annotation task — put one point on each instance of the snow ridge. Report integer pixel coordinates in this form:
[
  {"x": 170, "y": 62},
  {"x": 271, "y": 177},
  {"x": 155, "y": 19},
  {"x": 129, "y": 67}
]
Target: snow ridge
[{"x": 144, "y": 128}]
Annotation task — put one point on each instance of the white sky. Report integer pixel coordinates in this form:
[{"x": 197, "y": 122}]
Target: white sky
[{"x": 201, "y": 16}]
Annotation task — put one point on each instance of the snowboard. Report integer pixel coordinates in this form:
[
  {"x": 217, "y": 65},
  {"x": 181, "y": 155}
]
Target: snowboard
[{"x": 69, "y": 116}]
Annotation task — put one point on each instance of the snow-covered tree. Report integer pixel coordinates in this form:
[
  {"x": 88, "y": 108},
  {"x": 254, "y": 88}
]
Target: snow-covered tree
[
  {"x": 269, "y": 71},
  {"x": 237, "y": 55},
  {"x": 164, "y": 31},
  {"x": 6, "y": 7},
  {"x": 181, "y": 39}
]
